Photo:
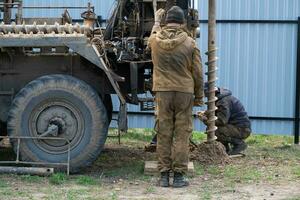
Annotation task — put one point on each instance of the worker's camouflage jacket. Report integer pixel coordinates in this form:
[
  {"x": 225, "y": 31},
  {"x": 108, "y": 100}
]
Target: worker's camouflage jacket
[{"x": 177, "y": 62}]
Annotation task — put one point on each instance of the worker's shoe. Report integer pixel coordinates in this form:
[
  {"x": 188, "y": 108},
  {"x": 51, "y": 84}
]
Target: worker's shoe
[
  {"x": 150, "y": 147},
  {"x": 179, "y": 180},
  {"x": 164, "y": 179},
  {"x": 227, "y": 147},
  {"x": 238, "y": 146}
]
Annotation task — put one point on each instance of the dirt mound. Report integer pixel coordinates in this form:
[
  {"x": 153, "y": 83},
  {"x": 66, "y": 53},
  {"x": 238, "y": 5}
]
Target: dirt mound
[{"x": 209, "y": 153}]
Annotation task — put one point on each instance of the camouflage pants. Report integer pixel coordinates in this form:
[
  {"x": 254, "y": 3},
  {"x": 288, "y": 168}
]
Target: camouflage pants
[
  {"x": 174, "y": 128},
  {"x": 225, "y": 133}
]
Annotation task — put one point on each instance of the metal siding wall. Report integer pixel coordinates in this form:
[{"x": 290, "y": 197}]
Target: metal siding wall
[
  {"x": 257, "y": 61},
  {"x": 253, "y": 9},
  {"x": 102, "y": 7}
]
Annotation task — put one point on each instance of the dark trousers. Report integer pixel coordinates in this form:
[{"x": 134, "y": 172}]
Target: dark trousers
[
  {"x": 174, "y": 128},
  {"x": 227, "y": 132}
]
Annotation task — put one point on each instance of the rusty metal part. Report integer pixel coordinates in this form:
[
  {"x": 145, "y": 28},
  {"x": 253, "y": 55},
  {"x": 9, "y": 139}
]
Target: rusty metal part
[
  {"x": 89, "y": 17},
  {"x": 27, "y": 171},
  {"x": 18, "y": 161},
  {"x": 7, "y": 11},
  {"x": 52, "y": 130},
  {"x": 212, "y": 75},
  {"x": 56, "y": 28}
]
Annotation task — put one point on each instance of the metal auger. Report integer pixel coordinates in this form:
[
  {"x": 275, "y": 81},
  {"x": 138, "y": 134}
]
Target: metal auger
[
  {"x": 211, "y": 73},
  {"x": 56, "y": 28}
]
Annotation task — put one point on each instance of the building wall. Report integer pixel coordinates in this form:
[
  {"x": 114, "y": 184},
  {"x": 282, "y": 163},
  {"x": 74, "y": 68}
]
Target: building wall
[{"x": 257, "y": 61}]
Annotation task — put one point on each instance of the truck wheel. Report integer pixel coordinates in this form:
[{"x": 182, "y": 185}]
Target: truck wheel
[{"x": 70, "y": 104}]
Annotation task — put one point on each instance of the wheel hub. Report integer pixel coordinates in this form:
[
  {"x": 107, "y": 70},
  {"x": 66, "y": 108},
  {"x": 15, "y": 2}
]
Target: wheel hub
[{"x": 63, "y": 115}]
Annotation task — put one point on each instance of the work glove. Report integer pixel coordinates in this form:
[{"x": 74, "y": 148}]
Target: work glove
[
  {"x": 159, "y": 15},
  {"x": 198, "y": 102},
  {"x": 202, "y": 115}
]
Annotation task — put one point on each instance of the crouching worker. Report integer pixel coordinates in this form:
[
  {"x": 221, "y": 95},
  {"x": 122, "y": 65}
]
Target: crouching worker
[
  {"x": 177, "y": 79},
  {"x": 233, "y": 122}
]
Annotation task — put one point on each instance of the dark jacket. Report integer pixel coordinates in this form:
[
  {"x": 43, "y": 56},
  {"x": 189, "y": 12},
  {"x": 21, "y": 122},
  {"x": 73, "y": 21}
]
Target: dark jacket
[{"x": 230, "y": 110}]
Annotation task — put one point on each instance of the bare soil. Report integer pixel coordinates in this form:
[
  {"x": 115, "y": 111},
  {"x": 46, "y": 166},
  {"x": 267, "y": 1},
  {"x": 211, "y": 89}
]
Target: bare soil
[{"x": 212, "y": 153}]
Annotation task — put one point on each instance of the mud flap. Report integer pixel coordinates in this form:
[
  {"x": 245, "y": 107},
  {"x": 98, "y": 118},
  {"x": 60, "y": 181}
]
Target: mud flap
[{"x": 122, "y": 118}]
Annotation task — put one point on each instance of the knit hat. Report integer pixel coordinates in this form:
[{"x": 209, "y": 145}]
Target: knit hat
[{"x": 175, "y": 15}]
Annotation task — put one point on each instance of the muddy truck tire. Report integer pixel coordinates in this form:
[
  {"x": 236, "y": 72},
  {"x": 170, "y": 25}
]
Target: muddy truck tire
[{"x": 73, "y": 107}]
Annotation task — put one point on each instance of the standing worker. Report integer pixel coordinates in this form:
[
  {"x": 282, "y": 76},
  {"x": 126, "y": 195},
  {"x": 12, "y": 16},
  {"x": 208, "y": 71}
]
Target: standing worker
[
  {"x": 233, "y": 122},
  {"x": 178, "y": 85}
]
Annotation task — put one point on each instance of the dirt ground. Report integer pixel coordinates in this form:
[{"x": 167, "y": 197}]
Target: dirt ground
[{"x": 267, "y": 172}]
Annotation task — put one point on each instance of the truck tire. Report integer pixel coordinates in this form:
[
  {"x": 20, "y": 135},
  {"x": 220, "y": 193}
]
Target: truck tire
[{"x": 73, "y": 106}]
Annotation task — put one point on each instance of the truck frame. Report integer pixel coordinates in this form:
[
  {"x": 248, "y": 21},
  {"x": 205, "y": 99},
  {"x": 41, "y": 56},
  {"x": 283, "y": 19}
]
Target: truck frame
[{"x": 57, "y": 77}]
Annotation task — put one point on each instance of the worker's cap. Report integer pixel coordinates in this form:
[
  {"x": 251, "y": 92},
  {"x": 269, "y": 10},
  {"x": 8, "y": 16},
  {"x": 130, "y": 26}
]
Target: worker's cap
[{"x": 175, "y": 15}]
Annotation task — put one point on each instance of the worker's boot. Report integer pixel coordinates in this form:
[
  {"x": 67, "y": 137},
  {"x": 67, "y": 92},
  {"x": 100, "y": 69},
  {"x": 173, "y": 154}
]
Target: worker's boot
[
  {"x": 164, "y": 179},
  {"x": 227, "y": 147},
  {"x": 238, "y": 146},
  {"x": 179, "y": 180},
  {"x": 150, "y": 147}
]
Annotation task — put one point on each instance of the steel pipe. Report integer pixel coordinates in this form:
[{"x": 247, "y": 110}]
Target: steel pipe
[{"x": 27, "y": 171}]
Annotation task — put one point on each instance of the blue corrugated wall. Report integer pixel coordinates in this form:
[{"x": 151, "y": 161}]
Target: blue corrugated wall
[{"x": 257, "y": 61}]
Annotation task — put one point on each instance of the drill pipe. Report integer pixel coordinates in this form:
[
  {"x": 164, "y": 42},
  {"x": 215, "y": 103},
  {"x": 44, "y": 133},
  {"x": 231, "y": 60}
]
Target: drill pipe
[
  {"x": 13, "y": 28},
  {"x": 212, "y": 68}
]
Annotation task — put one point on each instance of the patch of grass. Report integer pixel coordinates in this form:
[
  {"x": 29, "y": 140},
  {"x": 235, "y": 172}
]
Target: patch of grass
[
  {"x": 6, "y": 193},
  {"x": 251, "y": 175},
  {"x": 213, "y": 170},
  {"x": 58, "y": 178},
  {"x": 199, "y": 170},
  {"x": 198, "y": 136},
  {"x": 130, "y": 170},
  {"x": 3, "y": 184},
  {"x": 144, "y": 135},
  {"x": 257, "y": 140},
  {"x": 31, "y": 179},
  {"x": 230, "y": 171},
  {"x": 269, "y": 140},
  {"x": 296, "y": 171},
  {"x": 206, "y": 192},
  {"x": 86, "y": 180},
  {"x": 114, "y": 196},
  {"x": 150, "y": 189},
  {"x": 75, "y": 194},
  {"x": 293, "y": 198}
]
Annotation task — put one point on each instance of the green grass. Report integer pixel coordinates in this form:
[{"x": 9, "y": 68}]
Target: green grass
[
  {"x": 31, "y": 179},
  {"x": 213, "y": 170},
  {"x": 296, "y": 171},
  {"x": 86, "y": 180},
  {"x": 129, "y": 170},
  {"x": 3, "y": 184},
  {"x": 269, "y": 160},
  {"x": 58, "y": 179},
  {"x": 198, "y": 136},
  {"x": 230, "y": 171},
  {"x": 150, "y": 189},
  {"x": 199, "y": 170},
  {"x": 134, "y": 135}
]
